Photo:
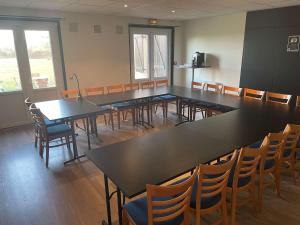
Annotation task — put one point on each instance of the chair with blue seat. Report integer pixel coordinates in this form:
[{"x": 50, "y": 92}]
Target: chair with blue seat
[
  {"x": 122, "y": 107},
  {"x": 212, "y": 110},
  {"x": 209, "y": 191},
  {"x": 278, "y": 98},
  {"x": 167, "y": 205},
  {"x": 103, "y": 109},
  {"x": 270, "y": 148},
  {"x": 166, "y": 99},
  {"x": 242, "y": 179},
  {"x": 253, "y": 94},
  {"x": 287, "y": 158},
  {"x": 48, "y": 134},
  {"x": 233, "y": 91}
]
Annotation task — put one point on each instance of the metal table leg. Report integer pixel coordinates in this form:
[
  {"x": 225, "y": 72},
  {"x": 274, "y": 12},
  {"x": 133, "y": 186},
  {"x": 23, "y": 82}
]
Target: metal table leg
[
  {"x": 88, "y": 132},
  {"x": 120, "y": 207},
  {"x": 107, "y": 199}
]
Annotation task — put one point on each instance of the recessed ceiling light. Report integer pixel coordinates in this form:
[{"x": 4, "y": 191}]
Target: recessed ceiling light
[
  {"x": 173, "y": 11},
  {"x": 125, "y": 5}
]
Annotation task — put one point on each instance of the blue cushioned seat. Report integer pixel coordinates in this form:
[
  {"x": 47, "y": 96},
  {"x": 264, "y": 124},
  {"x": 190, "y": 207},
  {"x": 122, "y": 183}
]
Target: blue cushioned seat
[
  {"x": 168, "y": 97},
  {"x": 138, "y": 211},
  {"x": 256, "y": 144},
  {"x": 51, "y": 123},
  {"x": 156, "y": 99},
  {"x": 122, "y": 105},
  {"x": 57, "y": 129},
  {"x": 105, "y": 108},
  {"x": 269, "y": 164},
  {"x": 287, "y": 152}
]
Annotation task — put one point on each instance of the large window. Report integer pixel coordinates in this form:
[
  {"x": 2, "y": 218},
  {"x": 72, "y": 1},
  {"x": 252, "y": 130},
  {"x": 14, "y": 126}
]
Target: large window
[
  {"x": 150, "y": 53},
  {"x": 40, "y": 58},
  {"x": 9, "y": 70}
]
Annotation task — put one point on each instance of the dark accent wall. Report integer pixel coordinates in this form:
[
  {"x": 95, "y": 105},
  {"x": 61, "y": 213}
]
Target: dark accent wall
[{"x": 266, "y": 64}]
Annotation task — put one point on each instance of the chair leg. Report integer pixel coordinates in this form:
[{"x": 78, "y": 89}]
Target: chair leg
[
  {"x": 105, "y": 120},
  {"x": 166, "y": 105},
  {"x": 125, "y": 220},
  {"x": 47, "y": 153},
  {"x": 224, "y": 212},
  {"x": 260, "y": 191},
  {"x": 277, "y": 181},
  {"x": 41, "y": 150},
  {"x": 68, "y": 142},
  {"x": 133, "y": 116},
  {"x": 112, "y": 120},
  {"x": 119, "y": 119},
  {"x": 293, "y": 170},
  {"x": 35, "y": 139},
  {"x": 233, "y": 207}
]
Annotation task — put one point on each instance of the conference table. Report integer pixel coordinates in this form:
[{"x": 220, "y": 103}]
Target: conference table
[{"x": 159, "y": 157}]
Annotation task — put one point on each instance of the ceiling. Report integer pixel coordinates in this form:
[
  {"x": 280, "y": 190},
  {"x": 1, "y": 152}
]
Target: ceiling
[{"x": 160, "y": 9}]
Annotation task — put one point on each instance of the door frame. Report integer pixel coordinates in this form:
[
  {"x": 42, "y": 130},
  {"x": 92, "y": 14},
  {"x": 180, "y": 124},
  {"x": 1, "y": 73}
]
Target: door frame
[{"x": 171, "y": 28}]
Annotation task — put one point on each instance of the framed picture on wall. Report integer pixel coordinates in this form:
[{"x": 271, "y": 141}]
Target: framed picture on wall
[{"x": 293, "y": 43}]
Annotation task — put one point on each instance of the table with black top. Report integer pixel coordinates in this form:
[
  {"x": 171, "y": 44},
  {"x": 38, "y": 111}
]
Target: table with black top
[
  {"x": 69, "y": 110},
  {"x": 159, "y": 157}
]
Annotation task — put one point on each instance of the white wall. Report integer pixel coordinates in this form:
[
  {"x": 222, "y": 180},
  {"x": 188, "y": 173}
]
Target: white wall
[
  {"x": 98, "y": 59},
  {"x": 222, "y": 38}
]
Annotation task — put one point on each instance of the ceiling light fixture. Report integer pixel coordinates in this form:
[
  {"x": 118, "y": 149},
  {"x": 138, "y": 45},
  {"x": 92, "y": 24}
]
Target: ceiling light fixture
[
  {"x": 173, "y": 11},
  {"x": 125, "y": 5}
]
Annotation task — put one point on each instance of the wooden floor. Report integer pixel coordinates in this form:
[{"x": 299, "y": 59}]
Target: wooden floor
[{"x": 30, "y": 194}]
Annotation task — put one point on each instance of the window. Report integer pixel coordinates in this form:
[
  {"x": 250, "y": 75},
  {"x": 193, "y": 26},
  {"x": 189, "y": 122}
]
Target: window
[
  {"x": 9, "y": 70},
  {"x": 40, "y": 59},
  {"x": 141, "y": 55},
  {"x": 160, "y": 52}
]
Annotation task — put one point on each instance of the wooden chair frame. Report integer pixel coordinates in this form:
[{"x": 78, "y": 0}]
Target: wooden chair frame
[
  {"x": 278, "y": 98},
  {"x": 217, "y": 88},
  {"x": 70, "y": 93},
  {"x": 161, "y": 83},
  {"x": 253, "y": 94},
  {"x": 45, "y": 138},
  {"x": 94, "y": 91},
  {"x": 178, "y": 204},
  {"x": 131, "y": 86},
  {"x": 291, "y": 132},
  {"x": 244, "y": 168},
  {"x": 228, "y": 90},
  {"x": 217, "y": 177},
  {"x": 298, "y": 101},
  {"x": 114, "y": 88},
  {"x": 147, "y": 84},
  {"x": 271, "y": 148}
]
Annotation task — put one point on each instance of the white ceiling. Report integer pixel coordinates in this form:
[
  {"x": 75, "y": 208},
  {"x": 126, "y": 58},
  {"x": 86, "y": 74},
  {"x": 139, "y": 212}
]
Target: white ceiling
[{"x": 160, "y": 9}]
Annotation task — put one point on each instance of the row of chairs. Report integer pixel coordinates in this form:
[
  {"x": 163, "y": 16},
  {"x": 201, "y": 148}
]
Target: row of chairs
[
  {"x": 126, "y": 107},
  {"x": 210, "y": 110},
  {"x": 207, "y": 189}
]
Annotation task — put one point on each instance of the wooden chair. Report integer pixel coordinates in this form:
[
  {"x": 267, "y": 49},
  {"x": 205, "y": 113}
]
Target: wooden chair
[
  {"x": 194, "y": 106},
  {"x": 161, "y": 83},
  {"x": 166, "y": 99},
  {"x": 209, "y": 193},
  {"x": 253, "y": 94},
  {"x": 115, "y": 89},
  {"x": 94, "y": 91},
  {"x": 163, "y": 204},
  {"x": 298, "y": 101},
  {"x": 131, "y": 86},
  {"x": 217, "y": 88},
  {"x": 242, "y": 179},
  {"x": 147, "y": 84},
  {"x": 48, "y": 134},
  {"x": 103, "y": 109},
  {"x": 228, "y": 90},
  {"x": 123, "y": 107},
  {"x": 271, "y": 148},
  {"x": 287, "y": 158},
  {"x": 278, "y": 98},
  {"x": 70, "y": 93},
  {"x": 197, "y": 85}
]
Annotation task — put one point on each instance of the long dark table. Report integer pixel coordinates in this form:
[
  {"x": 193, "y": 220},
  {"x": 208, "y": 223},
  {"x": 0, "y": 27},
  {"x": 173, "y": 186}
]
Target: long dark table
[{"x": 159, "y": 157}]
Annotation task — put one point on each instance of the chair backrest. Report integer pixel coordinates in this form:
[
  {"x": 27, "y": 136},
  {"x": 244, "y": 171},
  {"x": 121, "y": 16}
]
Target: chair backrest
[
  {"x": 278, "y": 98},
  {"x": 212, "y": 181},
  {"x": 254, "y": 94},
  {"x": 161, "y": 83},
  {"x": 168, "y": 202},
  {"x": 213, "y": 88},
  {"x": 94, "y": 91},
  {"x": 271, "y": 148},
  {"x": 114, "y": 89},
  {"x": 131, "y": 86},
  {"x": 197, "y": 85},
  {"x": 147, "y": 84},
  {"x": 228, "y": 90},
  {"x": 246, "y": 165},
  {"x": 298, "y": 101},
  {"x": 70, "y": 93},
  {"x": 28, "y": 102},
  {"x": 38, "y": 117},
  {"x": 291, "y": 132}
]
